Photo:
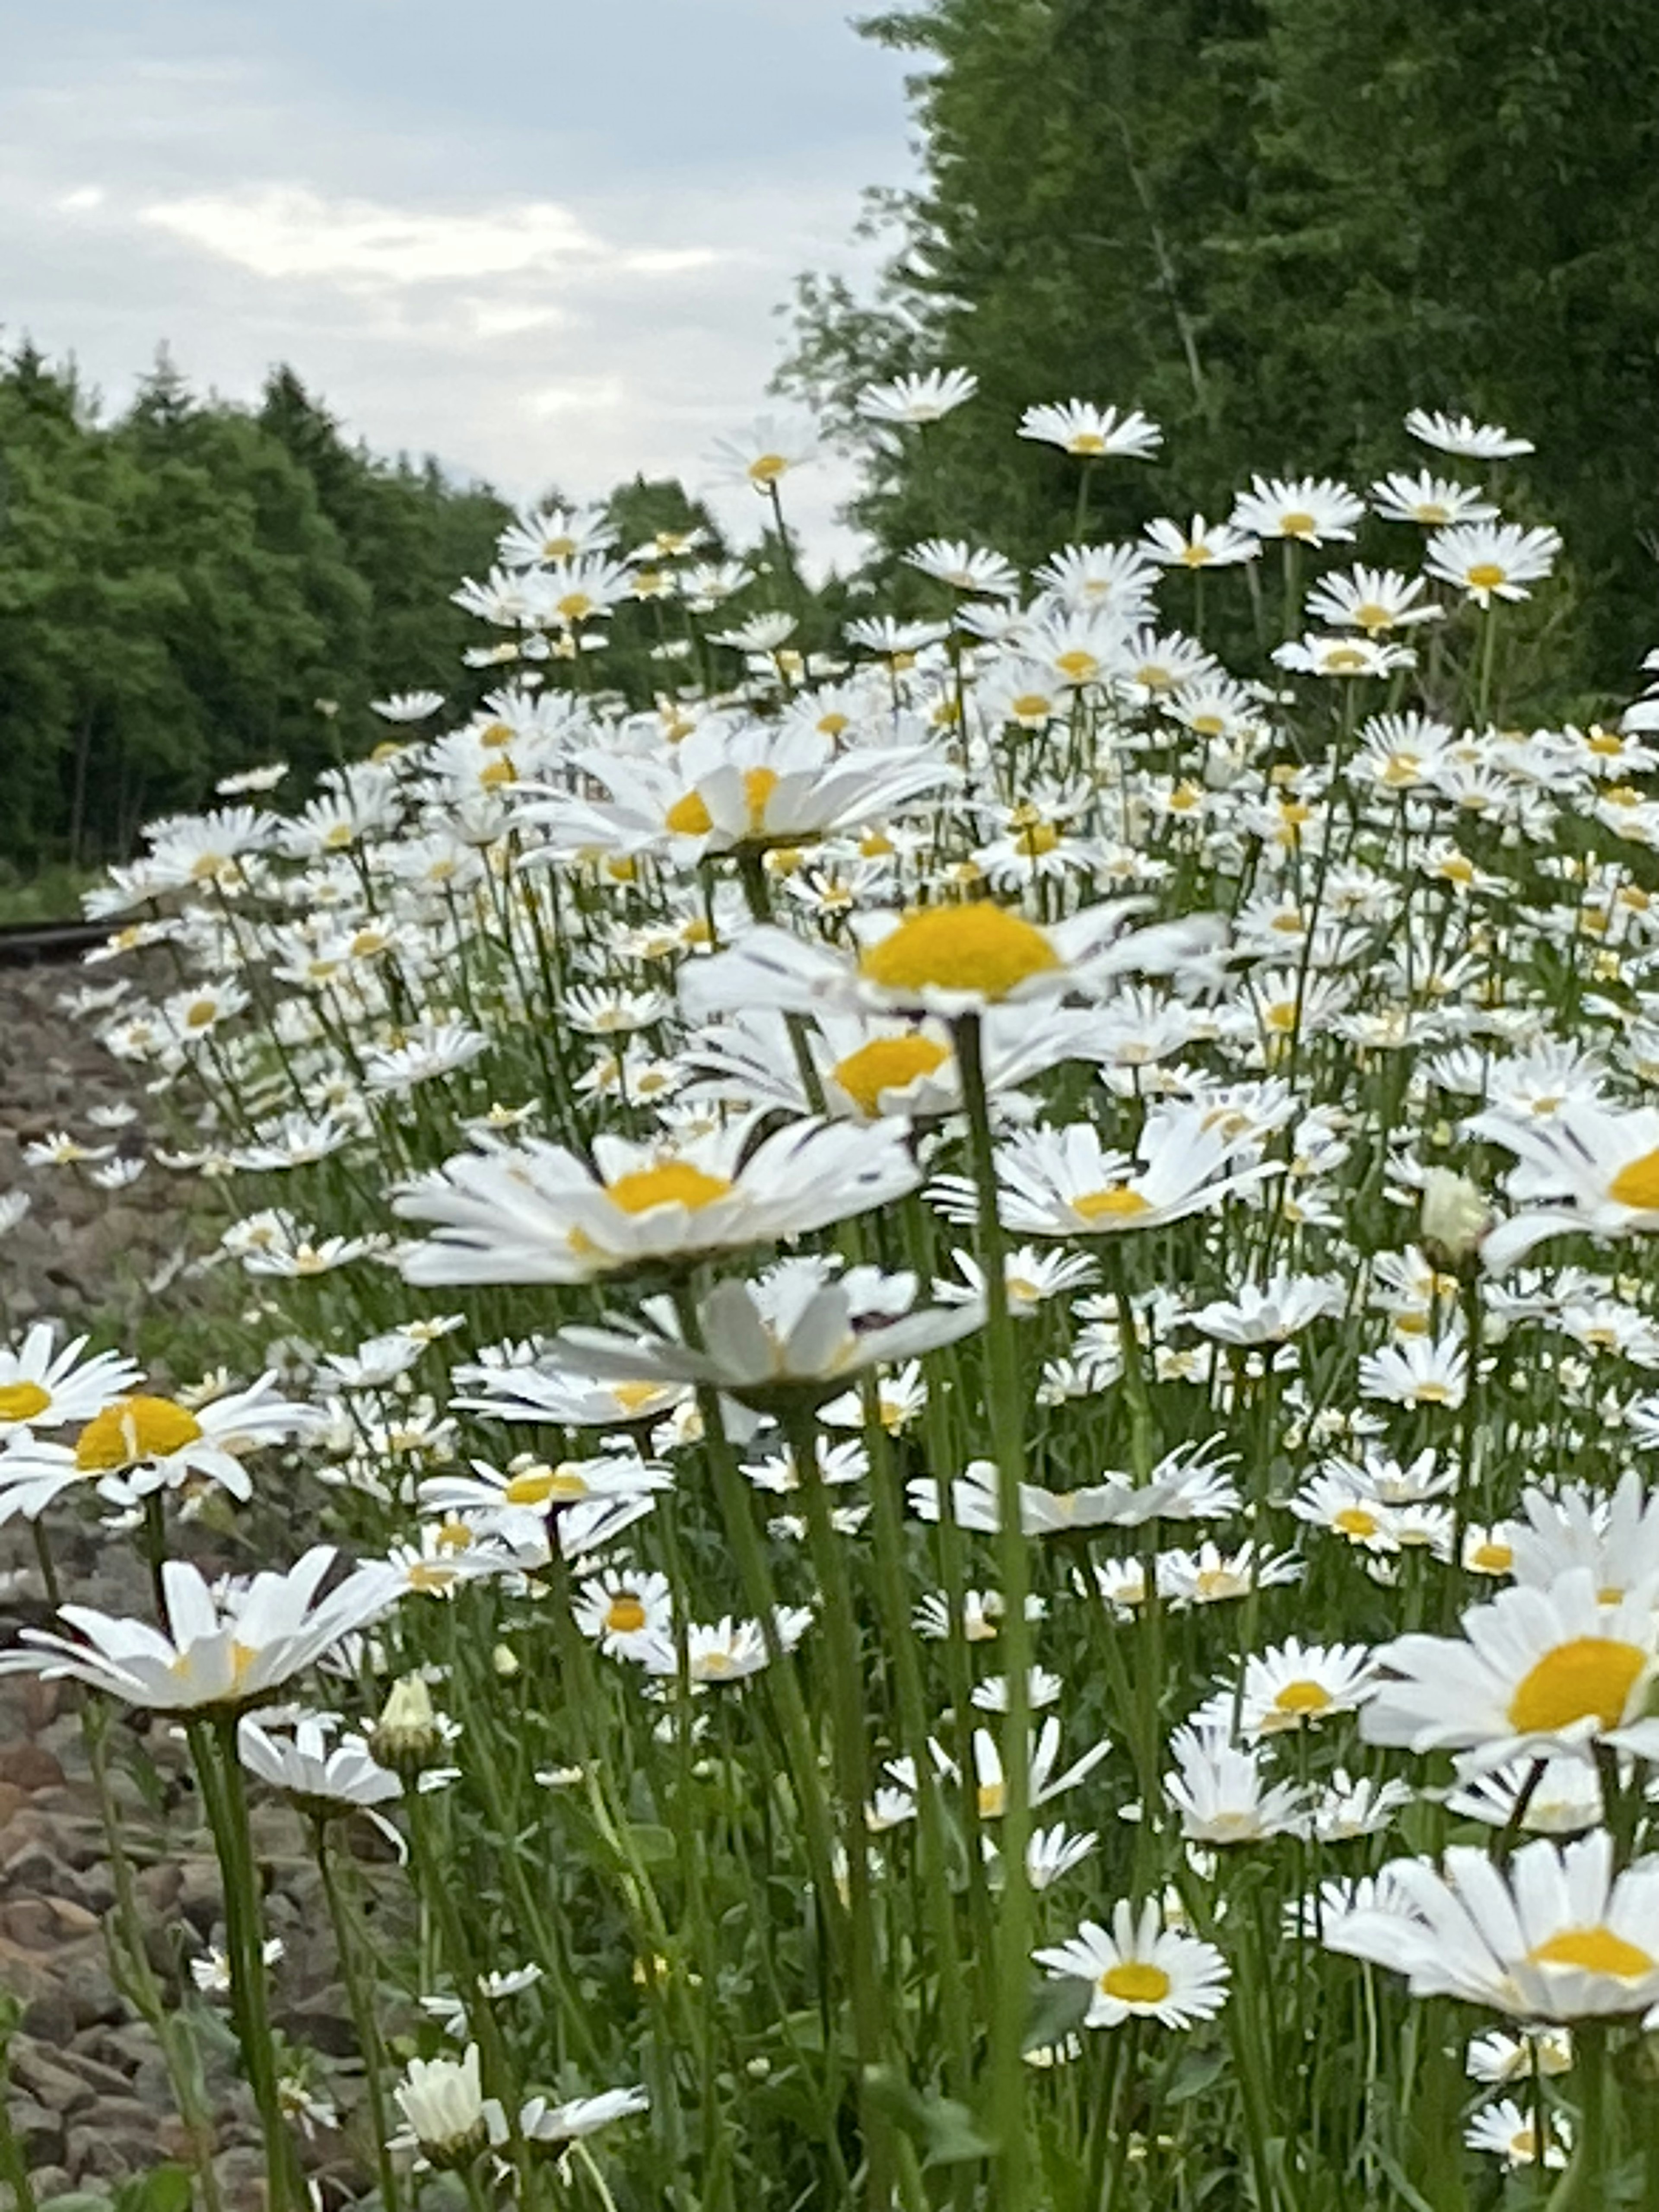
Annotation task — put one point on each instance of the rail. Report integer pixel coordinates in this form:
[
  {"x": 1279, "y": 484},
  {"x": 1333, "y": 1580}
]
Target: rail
[{"x": 30, "y": 944}]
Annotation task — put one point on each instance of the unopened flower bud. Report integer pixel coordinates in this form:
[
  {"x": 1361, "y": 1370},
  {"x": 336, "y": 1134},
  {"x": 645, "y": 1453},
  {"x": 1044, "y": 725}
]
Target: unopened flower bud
[
  {"x": 407, "y": 1737},
  {"x": 505, "y": 1660},
  {"x": 1456, "y": 1218}
]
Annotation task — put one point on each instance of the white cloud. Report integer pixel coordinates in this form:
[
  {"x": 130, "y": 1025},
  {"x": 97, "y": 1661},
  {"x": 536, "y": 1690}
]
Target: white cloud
[{"x": 285, "y": 232}]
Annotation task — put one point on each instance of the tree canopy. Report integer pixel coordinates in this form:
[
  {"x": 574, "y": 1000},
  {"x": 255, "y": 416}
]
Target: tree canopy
[
  {"x": 1275, "y": 225},
  {"x": 192, "y": 586}
]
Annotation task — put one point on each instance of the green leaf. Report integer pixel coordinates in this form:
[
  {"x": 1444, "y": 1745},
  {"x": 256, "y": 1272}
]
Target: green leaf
[{"x": 163, "y": 2189}]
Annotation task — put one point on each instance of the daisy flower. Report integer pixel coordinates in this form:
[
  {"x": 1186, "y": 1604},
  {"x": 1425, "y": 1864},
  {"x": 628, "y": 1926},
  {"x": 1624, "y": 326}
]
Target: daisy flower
[
  {"x": 536, "y": 1212},
  {"x": 221, "y": 1652},
  {"x": 1376, "y": 600},
  {"x": 1432, "y": 502},
  {"x": 917, "y": 399},
  {"x": 43, "y": 1389},
  {"x": 1462, "y": 436},
  {"x": 622, "y": 1611},
  {"x": 763, "y": 454},
  {"x": 140, "y": 1443},
  {"x": 1089, "y": 432},
  {"x": 1224, "y": 1797},
  {"x": 1557, "y": 1935},
  {"x": 1505, "y": 2131},
  {"x": 945, "y": 960},
  {"x": 1140, "y": 1970},
  {"x": 794, "y": 1331},
  {"x": 1536, "y": 1673},
  {"x": 1065, "y": 1182},
  {"x": 1293, "y": 1685},
  {"x": 1492, "y": 561},
  {"x": 1200, "y": 545},
  {"x": 1309, "y": 510},
  {"x": 1596, "y": 1169}
]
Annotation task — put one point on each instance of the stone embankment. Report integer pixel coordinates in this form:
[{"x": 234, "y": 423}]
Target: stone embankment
[{"x": 91, "y": 2101}]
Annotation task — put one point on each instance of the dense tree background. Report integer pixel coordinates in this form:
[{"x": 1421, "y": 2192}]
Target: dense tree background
[
  {"x": 1275, "y": 225},
  {"x": 181, "y": 586}
]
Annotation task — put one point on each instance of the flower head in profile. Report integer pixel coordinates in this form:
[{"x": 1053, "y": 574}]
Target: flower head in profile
[
  {"x": 916, "y": 399},
  {"x": 948, "y": 960},
  {"x": 219, "y": 1652},
  {"x": 1462, "y": 436},
  {"x": 1557, "y": 1935},
  {"x": 796, "y": 1333},
  {"x": 763, "y": 454},
  {"x": 537, "y": 1213},
  {"x": 1092, "y": 432}
]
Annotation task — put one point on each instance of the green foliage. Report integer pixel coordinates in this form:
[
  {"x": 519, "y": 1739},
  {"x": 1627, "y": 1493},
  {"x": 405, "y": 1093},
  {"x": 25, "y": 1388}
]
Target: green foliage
[
  {"x": 1275, "y": 225},
  {"x": 181, "y": 586}
]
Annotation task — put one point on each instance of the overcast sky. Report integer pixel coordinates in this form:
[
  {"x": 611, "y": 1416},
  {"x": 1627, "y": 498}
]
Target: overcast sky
[{"x": 543, "y": 239}]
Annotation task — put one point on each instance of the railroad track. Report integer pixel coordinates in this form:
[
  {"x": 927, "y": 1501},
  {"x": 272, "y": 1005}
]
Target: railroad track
[{"x": 33, "y": 943}]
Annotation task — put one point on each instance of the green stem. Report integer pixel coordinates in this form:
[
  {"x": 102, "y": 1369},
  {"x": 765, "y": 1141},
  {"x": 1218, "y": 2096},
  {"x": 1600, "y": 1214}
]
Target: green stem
[
  {"x": 1014, "y": 1925},
  {"x": 360, "y": 1997},
  {"x": 219, "y": 1770},
  {"x": 850, "y": 1748},
  {"x": 1583, "y": 2187}
]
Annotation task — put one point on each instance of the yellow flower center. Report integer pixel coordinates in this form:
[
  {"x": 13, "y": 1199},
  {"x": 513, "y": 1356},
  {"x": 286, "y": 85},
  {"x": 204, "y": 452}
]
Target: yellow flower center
[
  {"x": 688, "y": 816},
  {"x": 1431, "y": 514},
  {"x": 1492, "y": 1558},
  {"x": 497, "y": 774},
  {"x": 1484, "y": 574},
  {"x": 539, "y": 1486},
  {"x": 1302, "y": 1697},
  {"x": 1297, "y": 524},
  {"x": 1355, "y": 1521},
  {"x": 625, "y": 1615},
  {"x": 1077, "y": 666},
  {"x": 1133, "y": 1981},
  {"x": 1605, "y": 742},
  {"x": 632, "y": 1396},
  {"x": 1041, "y": 837},
  {"x": 887, "y": 1064},
  {"x": 1597, "y": 1950},
  {"x": 1086, "y": 441},
  {"x": 1346, "y": 660},
  {"x": 201, "y": 1013},
  {"x": 767, "y": 468},
  {"x": 131, "y": 1430},
  {"x": 992, "y": 1798},
  {"x": 981, "y": 949},
  {"x": 22, "y": 1401},
  {"x": 671, "y": 1183},
  {"x": 1120, "y": 1203},
  {"x": 1589, "y": 1676},
  {"x": 758, "y": 785},
  {"x": 1637, "y": 1184},
  {"x": 1030, "y": 707},
  {"x": 1196, "y": 554},
  {"x": 1372, "y": 616},
  {"x": 494, "y": 735}
]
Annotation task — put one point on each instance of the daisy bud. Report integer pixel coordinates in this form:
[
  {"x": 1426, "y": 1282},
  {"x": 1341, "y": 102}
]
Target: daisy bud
[
  {"x": 407, "y": 1738},
  {"x": 1455, "y": 1219},
  {"x": 505, "y": 1660}
]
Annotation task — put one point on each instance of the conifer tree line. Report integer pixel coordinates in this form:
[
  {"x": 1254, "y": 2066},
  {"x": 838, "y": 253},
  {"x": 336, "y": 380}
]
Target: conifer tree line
[
  {"x": 1275, "y": 225},
  {"x": 192, "y": 586}
]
